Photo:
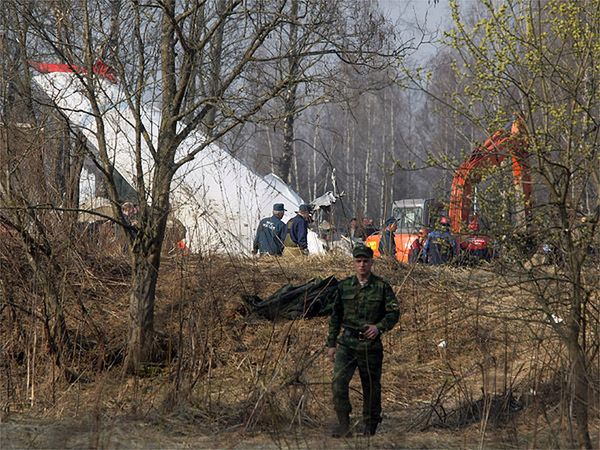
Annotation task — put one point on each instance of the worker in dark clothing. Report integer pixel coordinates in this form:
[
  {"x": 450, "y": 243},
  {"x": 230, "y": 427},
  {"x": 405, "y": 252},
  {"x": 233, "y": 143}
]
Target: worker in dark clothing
[
  {"x": 270, "y": 233},
  {"x": 131, "y": 217},
  {"x": 387, "y": 243},
  {"x": 365, "y": 306},
  {"x": 440, "y": 247},
  {"x": 296, "y": 242},
  {"x": 368, "y": 227},
  {"x": 355, "y": 233}
]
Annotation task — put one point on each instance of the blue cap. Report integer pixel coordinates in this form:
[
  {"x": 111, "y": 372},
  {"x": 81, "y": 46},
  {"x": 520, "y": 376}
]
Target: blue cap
[
  {"x": 278, "y": 207},
  {"x": 390, "y": 220},
  {"x": 304, "y": 208}
]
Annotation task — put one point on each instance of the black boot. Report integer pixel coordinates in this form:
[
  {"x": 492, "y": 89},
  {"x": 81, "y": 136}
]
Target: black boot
[
  {"x": 370, "y": 428},
  {"x": 342, "y": 429}
]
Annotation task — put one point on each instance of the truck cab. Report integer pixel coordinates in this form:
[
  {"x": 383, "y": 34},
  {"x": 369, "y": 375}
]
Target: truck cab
[{"x": 412, "y": 215}]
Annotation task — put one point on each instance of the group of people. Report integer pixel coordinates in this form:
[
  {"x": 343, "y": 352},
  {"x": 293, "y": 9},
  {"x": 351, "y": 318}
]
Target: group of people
[
  {"x": 358, "y": 233},
  {"x": 435, "y": 247},
  {"x": 273, "y": 236}
]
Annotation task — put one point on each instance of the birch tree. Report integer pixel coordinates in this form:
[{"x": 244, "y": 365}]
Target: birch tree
[{"x": 321, "y": 37}]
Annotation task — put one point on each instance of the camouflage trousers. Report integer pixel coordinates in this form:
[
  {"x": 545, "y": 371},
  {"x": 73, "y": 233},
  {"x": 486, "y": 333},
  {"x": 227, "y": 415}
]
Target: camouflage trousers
[{"x": 368, "y": 357}]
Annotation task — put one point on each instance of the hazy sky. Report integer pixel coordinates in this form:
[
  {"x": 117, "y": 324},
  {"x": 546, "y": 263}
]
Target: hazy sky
[
  {"x": 415, "y": 15},
  {"x": 416, "y": 11}
]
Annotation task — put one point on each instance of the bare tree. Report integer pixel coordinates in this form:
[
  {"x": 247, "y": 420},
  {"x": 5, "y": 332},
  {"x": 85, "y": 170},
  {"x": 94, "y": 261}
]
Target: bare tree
[
  {"x": 187, "y": 57},
  {"x": 319, "y": 39},
  {"x": 39, "y": 169}
]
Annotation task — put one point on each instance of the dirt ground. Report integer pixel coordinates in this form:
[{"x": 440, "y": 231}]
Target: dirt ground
[
  {"x": 135, "y": 434},
  {"x": 471, "y": 364}
]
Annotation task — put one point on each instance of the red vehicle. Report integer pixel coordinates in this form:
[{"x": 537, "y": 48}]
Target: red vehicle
[{"x": 413, "y": 214}]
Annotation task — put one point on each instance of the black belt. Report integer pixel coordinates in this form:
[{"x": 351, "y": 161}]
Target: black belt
[{"x": 351, "y": 332}]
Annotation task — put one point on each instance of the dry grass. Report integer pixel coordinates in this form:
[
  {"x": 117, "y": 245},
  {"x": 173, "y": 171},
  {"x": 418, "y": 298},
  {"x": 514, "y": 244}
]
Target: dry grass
[{"x": 234, "y": 379}]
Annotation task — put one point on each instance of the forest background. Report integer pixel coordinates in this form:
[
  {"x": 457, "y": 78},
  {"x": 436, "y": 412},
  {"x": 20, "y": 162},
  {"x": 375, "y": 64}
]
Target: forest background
[{"x": 329, "y": 95}]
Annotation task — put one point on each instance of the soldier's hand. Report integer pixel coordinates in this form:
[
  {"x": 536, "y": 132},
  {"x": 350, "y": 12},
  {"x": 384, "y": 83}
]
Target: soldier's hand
[
  {"x": 331, "y": 353},
  {"x": 371, "y": 332}
]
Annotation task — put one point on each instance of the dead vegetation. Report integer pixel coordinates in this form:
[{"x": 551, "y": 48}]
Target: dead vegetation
[{"x": 473, "y": 363}]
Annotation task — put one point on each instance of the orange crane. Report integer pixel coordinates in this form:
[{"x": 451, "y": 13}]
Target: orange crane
[{"x": 508, "y": 142}]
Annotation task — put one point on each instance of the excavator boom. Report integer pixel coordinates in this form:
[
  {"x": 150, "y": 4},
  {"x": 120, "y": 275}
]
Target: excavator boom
[{"x": 509, "y": 142}]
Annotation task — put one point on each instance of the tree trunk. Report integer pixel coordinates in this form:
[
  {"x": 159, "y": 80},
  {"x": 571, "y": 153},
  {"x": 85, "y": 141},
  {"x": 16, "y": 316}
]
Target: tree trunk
[
  {"x": 354, "y": 170},
  {"x": 580, "y": 392},
  {"x": 313, "y": 189},
  {"x": 143, "y": 346},
  {"x": 365, "y": 205},
  {"x": 285, "y": 165},
  {"x": 348, "y": 156},
  {"x": 46, "y": 272},
  {"x": 392, "y": 183},
  {"x": 271, "y": 153},
  {"x": 580, "y": 386},
  {"x": 215, "y": 67},
  {"x": 289, "y": 101},
  {"x": 141, "y": 312},
  {"x": 383, "y": 187},
  {"x": 384, "y": 173},
  {"x": 57, "y": 330},
  {"x": 296, "y": 184}
]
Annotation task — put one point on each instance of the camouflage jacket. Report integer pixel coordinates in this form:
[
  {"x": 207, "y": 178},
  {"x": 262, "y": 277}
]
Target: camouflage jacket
[{"x": 355, "y": 306}]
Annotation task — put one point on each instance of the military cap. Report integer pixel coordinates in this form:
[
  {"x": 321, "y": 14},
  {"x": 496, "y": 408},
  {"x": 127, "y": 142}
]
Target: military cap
[
  {"x": 304, "y": 208},
  {"x": 278, "y": 207},
  {"x": 362, "y": 251}
]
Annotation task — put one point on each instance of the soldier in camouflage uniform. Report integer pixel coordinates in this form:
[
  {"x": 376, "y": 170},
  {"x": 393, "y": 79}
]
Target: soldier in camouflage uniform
[{"x": 365, "y": 307}]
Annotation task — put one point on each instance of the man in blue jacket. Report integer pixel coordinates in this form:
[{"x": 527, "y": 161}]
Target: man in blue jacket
[
  {"x": 297, "y": 239},
  {"x": 440, "y": 247},
  {"x": 270, "y": 233}
]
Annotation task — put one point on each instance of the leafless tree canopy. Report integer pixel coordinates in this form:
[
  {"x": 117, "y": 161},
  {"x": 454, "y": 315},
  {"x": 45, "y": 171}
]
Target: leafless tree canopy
[{"x": 324, "y": 94}]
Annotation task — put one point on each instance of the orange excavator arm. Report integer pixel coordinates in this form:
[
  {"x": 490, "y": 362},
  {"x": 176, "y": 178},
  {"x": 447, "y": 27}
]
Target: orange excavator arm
[{"x": 502, "y": 144}]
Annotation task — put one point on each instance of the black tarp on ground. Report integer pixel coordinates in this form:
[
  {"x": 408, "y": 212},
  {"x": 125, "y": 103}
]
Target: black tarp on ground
[{"x": 311, "y": 299}]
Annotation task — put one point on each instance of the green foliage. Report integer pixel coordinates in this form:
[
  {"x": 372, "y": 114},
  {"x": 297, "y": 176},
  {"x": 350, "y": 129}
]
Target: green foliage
[
  {"x": 542, "y": 64},
  {"x": 539, "y": 60}
]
